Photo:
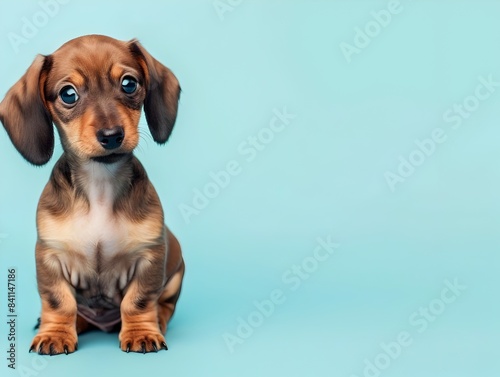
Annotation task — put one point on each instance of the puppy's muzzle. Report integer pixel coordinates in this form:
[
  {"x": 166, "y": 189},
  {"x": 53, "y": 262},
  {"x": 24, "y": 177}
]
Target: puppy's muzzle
[{"x": 111, "y": 138}]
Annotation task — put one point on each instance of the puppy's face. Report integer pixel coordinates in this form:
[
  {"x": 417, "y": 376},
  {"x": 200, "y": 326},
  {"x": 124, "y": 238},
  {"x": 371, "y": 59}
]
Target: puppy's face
[{"x": 93, "y": 89}]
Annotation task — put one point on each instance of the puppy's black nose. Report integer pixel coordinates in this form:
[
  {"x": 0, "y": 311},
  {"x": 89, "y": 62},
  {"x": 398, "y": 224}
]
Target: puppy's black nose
[{"x": 111, "y": 138}]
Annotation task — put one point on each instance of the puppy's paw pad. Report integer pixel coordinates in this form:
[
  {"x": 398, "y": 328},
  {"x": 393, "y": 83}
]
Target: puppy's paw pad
[{"x": 142, "y": 341}]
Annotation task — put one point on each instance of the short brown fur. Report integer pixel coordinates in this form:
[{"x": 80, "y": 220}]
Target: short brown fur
[{"x": 102, "y": 244}]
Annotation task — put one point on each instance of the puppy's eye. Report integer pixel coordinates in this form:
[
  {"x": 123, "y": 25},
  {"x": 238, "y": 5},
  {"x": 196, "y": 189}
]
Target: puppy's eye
[
  {"x": 129, "y": 85},
  {"x": 68, "y": 95}
]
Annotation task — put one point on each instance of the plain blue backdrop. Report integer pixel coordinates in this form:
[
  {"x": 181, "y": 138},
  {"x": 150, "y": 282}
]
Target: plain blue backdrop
[{"x": 390, "y": 152}]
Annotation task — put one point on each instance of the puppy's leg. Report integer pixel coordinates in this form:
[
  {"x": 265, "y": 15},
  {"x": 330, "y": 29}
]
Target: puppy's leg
[
  {"x": 169, "y": 297},
  {"x": 57, "y": 333},
  {"x": 140, "y": 331},
  {"x": 174, "y": 273}
]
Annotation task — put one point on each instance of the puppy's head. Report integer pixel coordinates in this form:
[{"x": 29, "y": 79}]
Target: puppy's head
[{"x": 93, "y": 89}]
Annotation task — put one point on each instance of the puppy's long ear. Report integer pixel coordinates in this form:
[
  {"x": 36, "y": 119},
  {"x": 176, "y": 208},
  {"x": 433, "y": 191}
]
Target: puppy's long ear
[
  {"x": 162, "y": 94},
  {"x": 25, "y": 116}
]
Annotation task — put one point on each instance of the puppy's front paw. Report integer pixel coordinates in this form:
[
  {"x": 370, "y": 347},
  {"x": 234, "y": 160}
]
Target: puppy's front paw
[
  {"x": 142, "y": 341},
  {"x": 55, "y": 342}
]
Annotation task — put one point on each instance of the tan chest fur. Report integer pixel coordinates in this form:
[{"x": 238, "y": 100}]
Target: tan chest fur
[{"x": 97, "y": 248}]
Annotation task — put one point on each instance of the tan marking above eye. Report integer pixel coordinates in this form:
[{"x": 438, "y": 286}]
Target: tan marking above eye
[
  {"x": 74, "y": 78},
  {"x": 118, "y": 71}
]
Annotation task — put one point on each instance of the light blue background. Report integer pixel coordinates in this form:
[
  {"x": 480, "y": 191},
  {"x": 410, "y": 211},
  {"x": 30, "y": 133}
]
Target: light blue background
[{"x": 323, "y": 175}]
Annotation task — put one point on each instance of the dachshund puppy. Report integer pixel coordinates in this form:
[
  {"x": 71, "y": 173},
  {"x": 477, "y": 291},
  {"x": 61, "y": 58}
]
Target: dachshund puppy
[{"x": 104, "y": 257}]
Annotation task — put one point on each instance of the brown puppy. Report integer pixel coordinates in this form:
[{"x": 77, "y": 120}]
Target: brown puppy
[{"x": 103, "y": 253}]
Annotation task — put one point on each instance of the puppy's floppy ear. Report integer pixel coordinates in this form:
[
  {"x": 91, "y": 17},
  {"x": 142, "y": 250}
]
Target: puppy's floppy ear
[
  {"x": 162, "y": 94},
  {"x": 25, "y": 117}
]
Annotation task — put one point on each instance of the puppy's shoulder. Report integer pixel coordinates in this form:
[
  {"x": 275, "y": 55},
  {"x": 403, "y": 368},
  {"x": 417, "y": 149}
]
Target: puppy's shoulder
[
  {"x": 57, "y": 198},
  {"x": 140, "y": 200}
]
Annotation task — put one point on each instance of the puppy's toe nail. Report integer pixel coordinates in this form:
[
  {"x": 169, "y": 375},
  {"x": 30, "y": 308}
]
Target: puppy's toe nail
[
  {"x": 143, "y": 347},
  {"x": 154, "y": 347},
  {"x": 51, "y": 349},
  {"x": 32, "y": 348},
  {"x": 128, "y": 348},
  {"x": 164, "y": 345},
  {"x": 66, "y": 351},
  {"x": 40, "y": 349}
]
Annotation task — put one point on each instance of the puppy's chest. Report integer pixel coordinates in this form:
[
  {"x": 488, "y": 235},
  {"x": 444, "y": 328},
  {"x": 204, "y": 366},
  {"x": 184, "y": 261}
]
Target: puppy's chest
[
  {"x": 97, "y": 245},
  {"x": 101, "y": 261},
  {"x": 98, "y": 232}
]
